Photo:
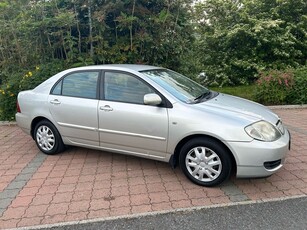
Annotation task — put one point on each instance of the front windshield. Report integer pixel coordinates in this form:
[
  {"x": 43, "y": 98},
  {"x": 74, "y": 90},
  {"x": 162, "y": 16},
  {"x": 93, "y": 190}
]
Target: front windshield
[{"x": 178, "y": 85}]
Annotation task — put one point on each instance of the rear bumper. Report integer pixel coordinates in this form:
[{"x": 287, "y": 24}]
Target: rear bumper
[
  {"x": 260, "y": 159},
  {"x": 23, "y": 122}
]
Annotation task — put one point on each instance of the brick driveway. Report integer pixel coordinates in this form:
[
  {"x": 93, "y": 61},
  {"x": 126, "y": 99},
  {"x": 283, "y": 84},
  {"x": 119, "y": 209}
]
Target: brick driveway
[{"x": 82, "y": 184}]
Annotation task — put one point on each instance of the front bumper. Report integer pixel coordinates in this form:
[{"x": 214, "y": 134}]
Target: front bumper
[{"x": 260, "y": 159}]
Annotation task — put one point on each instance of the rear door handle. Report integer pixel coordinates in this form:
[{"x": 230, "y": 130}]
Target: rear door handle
[
  {"x": 106, "y": 108},
  {"x": 55, "y": 102}
]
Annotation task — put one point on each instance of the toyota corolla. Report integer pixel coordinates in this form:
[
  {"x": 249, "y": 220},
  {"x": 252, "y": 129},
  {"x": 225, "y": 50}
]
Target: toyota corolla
[{"x": 155, "y": 113}]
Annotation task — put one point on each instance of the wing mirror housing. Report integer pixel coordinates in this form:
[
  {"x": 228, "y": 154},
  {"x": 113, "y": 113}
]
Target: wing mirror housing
[{"x": 152, "y": 99}]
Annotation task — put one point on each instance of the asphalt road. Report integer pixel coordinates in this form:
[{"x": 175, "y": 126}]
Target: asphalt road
[{"x": 283, "y": 214}]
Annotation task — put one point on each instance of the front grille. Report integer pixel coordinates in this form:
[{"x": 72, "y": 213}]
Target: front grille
[{"x": 272, "y": 164}]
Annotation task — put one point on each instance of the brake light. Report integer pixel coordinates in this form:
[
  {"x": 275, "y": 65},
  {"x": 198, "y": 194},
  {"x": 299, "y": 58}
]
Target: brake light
[{"x": 18, "y": 107}]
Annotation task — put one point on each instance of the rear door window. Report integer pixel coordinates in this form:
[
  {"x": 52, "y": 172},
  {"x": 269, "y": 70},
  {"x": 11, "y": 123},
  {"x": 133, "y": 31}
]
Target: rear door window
[{"x": 78, "y": 84}]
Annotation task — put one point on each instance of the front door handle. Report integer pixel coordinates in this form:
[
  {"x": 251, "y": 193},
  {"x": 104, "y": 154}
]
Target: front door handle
[
  {"x": 55, "y": 102},
  {"x": 106, "y": 108}
]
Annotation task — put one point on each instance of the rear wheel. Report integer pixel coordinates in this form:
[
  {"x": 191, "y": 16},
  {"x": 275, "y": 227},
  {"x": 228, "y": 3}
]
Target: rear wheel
[
  {"x": 47, "y": 138},
  {"x": 205, "y": 161}
]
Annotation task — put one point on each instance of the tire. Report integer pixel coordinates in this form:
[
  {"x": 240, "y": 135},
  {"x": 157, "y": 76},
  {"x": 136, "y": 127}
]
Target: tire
[
  {"x": 47, "y": 138},
  {"x": 205, "y": 162}
]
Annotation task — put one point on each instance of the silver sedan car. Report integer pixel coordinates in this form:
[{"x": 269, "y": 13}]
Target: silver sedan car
[{"x": 155, "y": 113}]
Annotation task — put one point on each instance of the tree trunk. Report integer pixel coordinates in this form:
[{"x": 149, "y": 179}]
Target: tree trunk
[
  {"x": 78, "y": 28},
  {"x": 131, "y": 35},
  {"x": 89, "y": 8}
]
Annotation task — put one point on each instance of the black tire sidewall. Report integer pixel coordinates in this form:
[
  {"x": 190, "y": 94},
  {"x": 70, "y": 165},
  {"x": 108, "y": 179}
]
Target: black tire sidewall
[
  {"x": 214, "y": 146},
  {"x": 58, "y": 147}
]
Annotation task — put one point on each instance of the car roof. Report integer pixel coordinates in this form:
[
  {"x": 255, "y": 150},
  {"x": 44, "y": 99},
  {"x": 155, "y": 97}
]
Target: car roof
[
  {"x": 120, "y": 67},
  {"x": 135, "y": 67}
]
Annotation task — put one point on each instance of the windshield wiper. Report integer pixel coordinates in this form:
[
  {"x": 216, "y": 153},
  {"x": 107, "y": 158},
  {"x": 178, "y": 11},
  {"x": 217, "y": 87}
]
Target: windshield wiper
[{"x": 202, "y": 96}]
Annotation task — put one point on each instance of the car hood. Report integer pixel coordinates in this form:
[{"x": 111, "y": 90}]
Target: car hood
[{"x": 240, "y": 107}]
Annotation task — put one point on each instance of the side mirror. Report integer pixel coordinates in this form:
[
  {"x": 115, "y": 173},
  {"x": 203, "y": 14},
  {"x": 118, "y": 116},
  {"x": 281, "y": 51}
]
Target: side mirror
[{"x": 152, "y": 99}]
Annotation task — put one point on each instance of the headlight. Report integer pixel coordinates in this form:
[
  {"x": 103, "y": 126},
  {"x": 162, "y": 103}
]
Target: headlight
[
  {"x": 263, "y": 131},
  {"x": 280, "y": 127}
]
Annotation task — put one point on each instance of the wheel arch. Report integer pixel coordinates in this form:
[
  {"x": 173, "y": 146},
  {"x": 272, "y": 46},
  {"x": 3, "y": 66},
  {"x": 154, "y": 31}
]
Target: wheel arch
[
  {"x": 174, "y": 160},
  {"x": 35, "y": 122}
]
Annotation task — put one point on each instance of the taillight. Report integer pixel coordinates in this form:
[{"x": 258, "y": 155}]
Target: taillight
[{"x": 18, "y": 107}]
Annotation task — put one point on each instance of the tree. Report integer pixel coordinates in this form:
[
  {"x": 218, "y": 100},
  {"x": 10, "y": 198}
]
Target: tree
[
  {"x": 94, "y": 31},
  {"x": 239, "y": 38}
]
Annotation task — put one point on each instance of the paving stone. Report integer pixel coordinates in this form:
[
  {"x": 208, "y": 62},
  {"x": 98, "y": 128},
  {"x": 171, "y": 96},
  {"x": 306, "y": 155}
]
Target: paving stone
[
  {"x": 82, "y": 184},
  {"x": 12, "y": 193},
  {"x": 35, "y": 165},
  {"x": 238, "y": 198},
  {"x": 29, "y": 170},
  {"x": 23, "y": 177},
  {"x": 231, "y": 189},
  {"x": 16, "y": 185},
  {"x": 5, "y": 202},
  {"x": 40, "y": 157},
  {"x": 2, "y": 211}
]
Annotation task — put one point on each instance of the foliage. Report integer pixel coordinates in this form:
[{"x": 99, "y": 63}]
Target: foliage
[
  {"x": 8, "y": 101},
  {"x": 244, "y": 91},
  {"x": 19, "y": 82},
  {"x": 273, "y": 87},
  {"x": 94, "y": 31},
  {"x": 239, "y": 39},
  {"x": 282, "y": 87},
  {"x": 85, "y": 32},
  {"x": 298, "y": 93}
]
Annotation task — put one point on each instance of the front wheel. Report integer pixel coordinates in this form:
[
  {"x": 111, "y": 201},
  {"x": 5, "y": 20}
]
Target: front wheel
[
  {"x": 47, "y": 138},
  {"x": 205, "y": 161}
]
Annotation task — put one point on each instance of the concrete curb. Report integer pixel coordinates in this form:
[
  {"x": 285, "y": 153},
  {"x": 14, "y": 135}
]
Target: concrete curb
[
  {"x": 8, "y": 123},
  {"x": 288, "y": 106},
  {"x": 132, "y": 216}
]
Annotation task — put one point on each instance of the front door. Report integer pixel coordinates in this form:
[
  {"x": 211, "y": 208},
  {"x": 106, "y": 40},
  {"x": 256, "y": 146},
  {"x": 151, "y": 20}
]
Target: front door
[{"x": 125, "y": 123}]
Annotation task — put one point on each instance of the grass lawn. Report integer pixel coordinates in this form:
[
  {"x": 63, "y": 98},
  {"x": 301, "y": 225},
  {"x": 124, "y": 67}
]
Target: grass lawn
[{"x": 245, "y": 91}]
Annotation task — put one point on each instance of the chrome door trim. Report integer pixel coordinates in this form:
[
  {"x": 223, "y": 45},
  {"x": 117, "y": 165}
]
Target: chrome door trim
[
  {"x": 132, "y": 134},
  {"x": 77, "y": 126}
]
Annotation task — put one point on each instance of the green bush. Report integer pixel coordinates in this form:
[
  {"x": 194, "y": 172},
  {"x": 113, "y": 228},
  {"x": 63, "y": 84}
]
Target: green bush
[
  {"x": 273, "y": 87},
  {"x": 8, "y": 95},
  {"x": 277, "y": 87},
  {"x": 24, "y": 80},
  {"x": 298, "y": 93}
]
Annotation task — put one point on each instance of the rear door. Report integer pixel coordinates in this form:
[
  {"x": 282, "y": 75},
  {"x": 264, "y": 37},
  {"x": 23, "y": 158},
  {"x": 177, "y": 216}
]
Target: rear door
[
  {"x": 73, "y": 104},
  {"x": 125, "y": 122}
]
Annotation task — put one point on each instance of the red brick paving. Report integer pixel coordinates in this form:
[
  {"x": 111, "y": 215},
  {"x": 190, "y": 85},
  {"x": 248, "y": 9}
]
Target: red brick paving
[{"x": 83, "y": 184}]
